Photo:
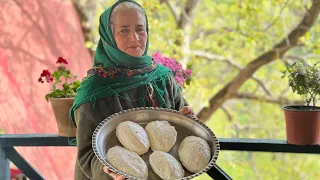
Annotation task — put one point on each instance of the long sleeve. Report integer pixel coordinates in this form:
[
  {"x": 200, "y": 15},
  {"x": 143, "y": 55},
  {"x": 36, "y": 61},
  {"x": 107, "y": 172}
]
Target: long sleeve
[
  {"x": 178, "y": 99},
  {"x": 88, "y": 118}
]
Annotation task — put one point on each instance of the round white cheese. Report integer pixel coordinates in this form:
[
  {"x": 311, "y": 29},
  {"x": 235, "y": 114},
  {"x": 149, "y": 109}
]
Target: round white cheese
[
  {"x": 162, "y": 135},
  {"x": 127, "y": 161},
  {"x": 165, "y": 165},
  {"x": 133, "y": 137},
  {"x": 194, "y": 153}
]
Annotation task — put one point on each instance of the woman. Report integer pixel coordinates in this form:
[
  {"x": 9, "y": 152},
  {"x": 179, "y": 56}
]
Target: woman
[{"x": 123, "y": 77}]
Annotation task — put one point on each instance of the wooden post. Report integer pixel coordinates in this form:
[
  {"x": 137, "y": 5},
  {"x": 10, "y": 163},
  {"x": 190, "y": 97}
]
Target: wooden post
[{"x": 4, "y": 165}]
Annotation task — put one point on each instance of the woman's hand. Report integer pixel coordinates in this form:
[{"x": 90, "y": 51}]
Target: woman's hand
[
  {"x": 112, "y": 174},
  {"x": 187, "y": 110}
]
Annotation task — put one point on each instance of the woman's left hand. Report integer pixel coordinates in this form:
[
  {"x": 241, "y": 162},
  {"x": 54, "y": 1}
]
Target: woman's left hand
[
  {"x": 187, "y": 110},
  {"x": 113, "y": 175}
]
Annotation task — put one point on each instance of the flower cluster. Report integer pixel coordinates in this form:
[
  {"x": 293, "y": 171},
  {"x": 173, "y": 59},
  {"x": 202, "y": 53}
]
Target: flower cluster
[
  {"x": 45, "y": 76},
  {"x": 62, "y": 61},
  {"x": 180, "y": 75},
  {"x": 67, "y": 89},
  {"x": 305, "y": 80}
]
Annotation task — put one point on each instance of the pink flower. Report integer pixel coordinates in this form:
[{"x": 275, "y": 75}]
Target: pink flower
[
  {"x": 180, "y": 74},
  {"x": 188, "y": 72}
]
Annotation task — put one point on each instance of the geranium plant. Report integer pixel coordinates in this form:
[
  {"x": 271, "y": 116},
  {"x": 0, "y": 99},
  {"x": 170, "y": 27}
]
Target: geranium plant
[
  {"x": 304, "y": 80},
  {"x": 61, "y": 88},
  {"x": 181, "y": 75}
]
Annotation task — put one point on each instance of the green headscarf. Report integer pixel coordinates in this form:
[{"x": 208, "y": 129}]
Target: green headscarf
[{"x": 109, "y": 58}]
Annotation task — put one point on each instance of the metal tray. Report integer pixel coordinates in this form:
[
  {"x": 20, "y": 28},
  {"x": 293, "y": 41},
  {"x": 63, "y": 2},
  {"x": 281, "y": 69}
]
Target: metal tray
[{"x": 104, "y": 136}]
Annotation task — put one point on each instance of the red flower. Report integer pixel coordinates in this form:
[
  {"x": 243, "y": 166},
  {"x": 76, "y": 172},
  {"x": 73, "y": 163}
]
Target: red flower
[
  {"x": 45, "y": 75},
  {"x": 62, "y": 61},
  {"x": 50, "y": 79},
  {"x": 40, "y": 80}
]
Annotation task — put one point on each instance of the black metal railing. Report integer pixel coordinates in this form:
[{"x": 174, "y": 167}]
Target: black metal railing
[{"x": 9, "y": 141}]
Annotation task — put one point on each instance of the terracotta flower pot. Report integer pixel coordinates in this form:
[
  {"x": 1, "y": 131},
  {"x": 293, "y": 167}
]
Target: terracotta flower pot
[
  {"x": 61, "y": 107},
  {"x": 302, "y": 125}
]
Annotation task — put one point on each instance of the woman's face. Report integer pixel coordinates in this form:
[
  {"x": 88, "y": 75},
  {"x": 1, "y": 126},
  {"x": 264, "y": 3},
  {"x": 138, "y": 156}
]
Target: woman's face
[{"x": 130, "y": 32}]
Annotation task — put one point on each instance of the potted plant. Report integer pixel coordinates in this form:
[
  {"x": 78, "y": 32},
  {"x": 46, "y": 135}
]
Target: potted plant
[
  {"x": 61, "y": 95},
  {"x": 303, "y": 121}
]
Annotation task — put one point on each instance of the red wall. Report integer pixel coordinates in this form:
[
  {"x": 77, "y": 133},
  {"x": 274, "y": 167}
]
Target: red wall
[{"x": 33, "y": 34}]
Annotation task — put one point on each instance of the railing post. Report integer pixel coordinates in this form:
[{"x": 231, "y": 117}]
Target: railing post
[
  {"x": 4, "y": 165},
  {"x": 217, "y": 173},
  {"x": 22, "y": 164}
]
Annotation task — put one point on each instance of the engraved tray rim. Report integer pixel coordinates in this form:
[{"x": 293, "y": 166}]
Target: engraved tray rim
[{"x": 109, "y": 166}]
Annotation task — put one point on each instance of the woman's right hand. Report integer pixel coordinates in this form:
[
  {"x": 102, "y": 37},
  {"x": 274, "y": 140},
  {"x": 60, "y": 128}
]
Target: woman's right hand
[{"x": 112, "y": 174}]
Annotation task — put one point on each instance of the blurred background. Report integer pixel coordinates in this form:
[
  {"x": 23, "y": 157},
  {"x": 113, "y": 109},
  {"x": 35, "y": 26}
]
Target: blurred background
[{"x": 232, "y": 46}]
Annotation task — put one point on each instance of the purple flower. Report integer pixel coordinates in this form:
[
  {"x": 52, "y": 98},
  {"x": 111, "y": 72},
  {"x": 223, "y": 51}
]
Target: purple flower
[{"x": 180, "y": 74}]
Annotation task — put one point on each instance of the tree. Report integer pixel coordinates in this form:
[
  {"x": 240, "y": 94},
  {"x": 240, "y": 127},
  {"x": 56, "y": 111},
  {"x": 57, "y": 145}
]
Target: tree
[
  {"x": 291, "y": 40},
  {"x": 184, "y": 20}
]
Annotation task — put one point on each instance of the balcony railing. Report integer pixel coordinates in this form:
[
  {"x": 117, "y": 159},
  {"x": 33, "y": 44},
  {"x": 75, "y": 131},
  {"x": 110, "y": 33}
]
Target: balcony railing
[{"x": 9, "y": 141}]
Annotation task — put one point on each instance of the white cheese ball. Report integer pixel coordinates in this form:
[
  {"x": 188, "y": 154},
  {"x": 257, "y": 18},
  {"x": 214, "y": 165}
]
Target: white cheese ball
[
  {"x": 133, "y": 137},
  {"x": 127, "y": 161},
  {"x": 162, "y": 135},
  {"x": 194, "y": 153},
  {"x": 165, "y": 165}
]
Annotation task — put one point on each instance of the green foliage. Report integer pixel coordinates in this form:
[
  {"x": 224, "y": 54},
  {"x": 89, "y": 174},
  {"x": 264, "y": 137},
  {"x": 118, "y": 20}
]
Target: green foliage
[
  {"x": 304, "y": 80},
  {"x": 67, "y": 90}
]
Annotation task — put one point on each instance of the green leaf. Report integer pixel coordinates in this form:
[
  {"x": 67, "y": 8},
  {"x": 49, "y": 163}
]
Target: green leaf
[
  {"x": 56, "y": 74},
  {"x": 47, "y": 97}
]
